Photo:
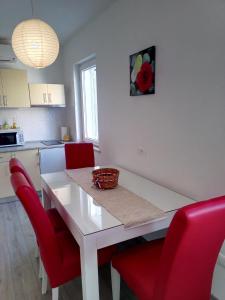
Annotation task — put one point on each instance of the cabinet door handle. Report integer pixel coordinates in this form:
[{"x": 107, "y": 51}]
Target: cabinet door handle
[
  {"x": 1, "y": 103},
  {"x": 4, "y": 101},
  {"x": 49, "y": 98},
  {"x": 44, "y": 97}
]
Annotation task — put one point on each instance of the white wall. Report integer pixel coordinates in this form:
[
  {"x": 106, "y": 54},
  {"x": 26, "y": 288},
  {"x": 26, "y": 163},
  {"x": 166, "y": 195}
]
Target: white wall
[
  {"x": 181, "y": 128},
  {"x": 37, "y": 123}
]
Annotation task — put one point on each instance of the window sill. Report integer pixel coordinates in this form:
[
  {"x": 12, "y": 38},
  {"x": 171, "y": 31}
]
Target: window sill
[{"x": 96, "y": 146}]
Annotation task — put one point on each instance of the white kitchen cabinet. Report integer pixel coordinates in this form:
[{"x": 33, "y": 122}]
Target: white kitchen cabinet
[
  {"x": 5, "y": 185},
  {"x": 56, "y": 94},
  {"x": 1, "y": 95},
  {"x": 47, "y": 94},
  {"x": 30, "y": 160},
  {"x": 38, "y": 94},
  {"x": 52, "y": 160},
  {"x": 13, "y": 88}
]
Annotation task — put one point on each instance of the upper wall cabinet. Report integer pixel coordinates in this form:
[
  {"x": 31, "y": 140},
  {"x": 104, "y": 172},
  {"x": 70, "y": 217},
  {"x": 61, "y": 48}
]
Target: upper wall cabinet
[
  {"x": 13, "y": 88},
  {"x": 47, "y": 94}
]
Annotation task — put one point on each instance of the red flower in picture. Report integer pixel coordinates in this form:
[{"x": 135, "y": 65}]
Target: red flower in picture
[{"x": 144, "y": 78}]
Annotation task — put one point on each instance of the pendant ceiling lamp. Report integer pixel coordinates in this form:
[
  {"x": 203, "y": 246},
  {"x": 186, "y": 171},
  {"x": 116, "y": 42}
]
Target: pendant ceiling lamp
[{"x": 35, "y": 43}]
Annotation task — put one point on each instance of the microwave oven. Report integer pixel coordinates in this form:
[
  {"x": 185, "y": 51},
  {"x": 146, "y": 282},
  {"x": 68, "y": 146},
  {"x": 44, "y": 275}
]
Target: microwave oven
[{"x": 11, "y": 137}]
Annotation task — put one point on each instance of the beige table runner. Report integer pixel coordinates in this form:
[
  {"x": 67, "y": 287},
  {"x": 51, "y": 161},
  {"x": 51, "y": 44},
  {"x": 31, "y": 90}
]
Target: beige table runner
[{"x": 130, "y": 209}]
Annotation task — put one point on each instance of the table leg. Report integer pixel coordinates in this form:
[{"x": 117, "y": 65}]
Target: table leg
[
  {"x": 46, "y": 202},
  {"x": 89, "y": 269}
]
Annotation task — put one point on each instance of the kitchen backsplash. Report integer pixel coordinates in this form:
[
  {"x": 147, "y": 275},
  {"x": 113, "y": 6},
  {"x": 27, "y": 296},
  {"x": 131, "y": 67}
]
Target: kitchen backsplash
[{"x": 37, "y": 123}]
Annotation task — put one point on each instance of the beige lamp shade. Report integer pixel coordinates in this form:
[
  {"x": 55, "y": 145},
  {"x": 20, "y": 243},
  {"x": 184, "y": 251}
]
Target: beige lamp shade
[{"x": 35, "y": 43}]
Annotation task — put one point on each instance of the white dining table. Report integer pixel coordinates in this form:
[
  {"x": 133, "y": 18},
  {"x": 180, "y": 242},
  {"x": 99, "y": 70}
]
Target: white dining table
[{"x": 94, "y": 227}]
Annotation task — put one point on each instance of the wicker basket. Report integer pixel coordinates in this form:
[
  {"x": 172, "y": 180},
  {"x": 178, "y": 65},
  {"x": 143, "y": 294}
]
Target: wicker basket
[{"x": 105, "y": 178}]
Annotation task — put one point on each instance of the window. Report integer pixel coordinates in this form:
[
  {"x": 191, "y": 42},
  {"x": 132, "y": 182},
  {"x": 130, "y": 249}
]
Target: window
[{"x": 89, "y": 108}]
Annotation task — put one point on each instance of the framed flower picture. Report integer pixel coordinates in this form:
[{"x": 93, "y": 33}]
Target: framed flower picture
[{"x": 142, "y": 72}]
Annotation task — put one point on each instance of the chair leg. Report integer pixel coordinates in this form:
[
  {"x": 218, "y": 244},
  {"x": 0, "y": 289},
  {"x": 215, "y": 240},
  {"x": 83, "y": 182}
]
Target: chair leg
[
  {"x": 36, "y": 252},
  {"x": 40, "y": 275},
  {"x": 115, "y": 277},
  {"x": 44, "y": 284},
  {"x": 42, "y": 199},
  {"x": 55, "y": 293}
]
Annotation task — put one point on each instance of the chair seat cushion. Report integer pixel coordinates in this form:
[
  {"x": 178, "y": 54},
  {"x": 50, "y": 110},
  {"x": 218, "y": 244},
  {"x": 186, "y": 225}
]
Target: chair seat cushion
[
  {"x": 138, "y": 266},
  {"x": 56, "y": 220},
  {"x": 70, "y": 253}
]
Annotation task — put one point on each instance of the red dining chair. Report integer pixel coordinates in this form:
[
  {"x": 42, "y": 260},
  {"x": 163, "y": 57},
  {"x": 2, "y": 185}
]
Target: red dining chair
[
  {"x": 181, "y": 266},
  {"x": 79, "y": 155},
  {"x": 59, "y": 251},
  {"x": 15, "y": 165}
]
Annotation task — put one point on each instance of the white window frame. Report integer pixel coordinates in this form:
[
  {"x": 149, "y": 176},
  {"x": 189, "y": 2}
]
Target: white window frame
[{"x": 81, "y": 67}]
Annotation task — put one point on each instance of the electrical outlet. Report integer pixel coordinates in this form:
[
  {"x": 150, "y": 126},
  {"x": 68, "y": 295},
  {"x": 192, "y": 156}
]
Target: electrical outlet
[{"x": 140, "y": 150}]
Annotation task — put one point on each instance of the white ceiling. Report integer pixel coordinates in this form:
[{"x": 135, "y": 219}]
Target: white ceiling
[{"x": 65, "y": 16}]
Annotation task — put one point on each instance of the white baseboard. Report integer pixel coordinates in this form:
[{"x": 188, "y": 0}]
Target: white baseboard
[{"x": 8, "y": 199}]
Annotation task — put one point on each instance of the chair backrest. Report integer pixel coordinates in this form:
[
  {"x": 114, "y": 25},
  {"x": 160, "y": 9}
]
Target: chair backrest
[
  {"x": 41, "y": 224},
  {"x": 190, "y": 251},
  {"x": 15, "y": 165},
  {"x": 79, "y": 155}
]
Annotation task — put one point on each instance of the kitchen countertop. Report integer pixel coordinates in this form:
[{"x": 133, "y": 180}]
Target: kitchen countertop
[{"x": 29, "y": 146}]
